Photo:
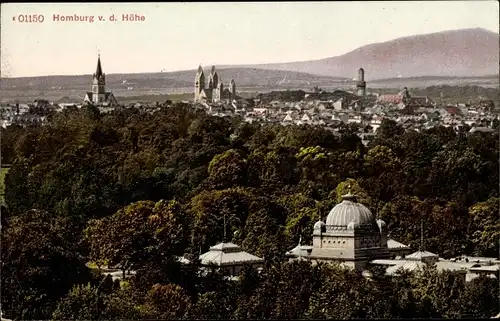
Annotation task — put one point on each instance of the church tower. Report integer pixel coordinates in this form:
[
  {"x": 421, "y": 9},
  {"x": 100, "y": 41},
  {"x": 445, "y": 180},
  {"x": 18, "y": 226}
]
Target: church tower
[
  {"x": 98, "y": 95},
  {"x": 199, "y": 84},
  {"x": 361, "y": 84},
  {"x": 232, "y": 89},
  {"x": 215, "y": 77},
  {"x": 98, "y": 83},
  {"x": 220, "y": 91}
]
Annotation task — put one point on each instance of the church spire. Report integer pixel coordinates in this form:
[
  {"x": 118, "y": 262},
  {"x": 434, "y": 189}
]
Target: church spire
[{"x": 98, "y": 71}]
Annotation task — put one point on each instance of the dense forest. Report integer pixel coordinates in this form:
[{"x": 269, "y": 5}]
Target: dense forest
[{"x": 137, "y": 190}]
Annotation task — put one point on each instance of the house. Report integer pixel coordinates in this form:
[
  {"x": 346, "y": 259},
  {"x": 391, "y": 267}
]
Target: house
[
  {"x": 419, "y": 101},
  {"x": 288, "y": 119},
  {"x": 305, "y": 119},
  {"x": 355, "y": 119},
  {"x": 344, "y": 118},
  {"x": 340, "y": 104}
]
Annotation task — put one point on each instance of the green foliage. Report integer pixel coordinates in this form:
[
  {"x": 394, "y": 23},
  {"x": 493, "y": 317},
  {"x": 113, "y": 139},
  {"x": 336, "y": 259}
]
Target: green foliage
[
  {"x": 139, "y": 233},
  {"x": 352, "y": 186},
  {"x": 41, "y": 261},
  {"x": 486, "y": 226},
  {"x": 227, "y": 170},
  {"x": 165, "y": 302},
  {"x": 83, "y": 302},
  {"x": 3, "y": 173},
  {"x": 345, "y": 294},
  {"x": 97, "y": 302},
  {"x": 102, "y": 178}
]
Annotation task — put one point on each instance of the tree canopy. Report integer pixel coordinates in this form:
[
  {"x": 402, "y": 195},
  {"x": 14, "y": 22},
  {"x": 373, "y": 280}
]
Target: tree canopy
[{"x": 137, "y": 190}]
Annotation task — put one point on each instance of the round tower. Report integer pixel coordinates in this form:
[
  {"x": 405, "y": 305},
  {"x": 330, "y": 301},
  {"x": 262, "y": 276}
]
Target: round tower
[
  {"x": 361, "y": 74},
  {"x": 232, "y": 89},
  {"x": 361, "y": 84}
]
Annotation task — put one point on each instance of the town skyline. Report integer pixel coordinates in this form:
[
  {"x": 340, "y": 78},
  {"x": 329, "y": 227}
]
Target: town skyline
[{"x": 215, "y": 34}]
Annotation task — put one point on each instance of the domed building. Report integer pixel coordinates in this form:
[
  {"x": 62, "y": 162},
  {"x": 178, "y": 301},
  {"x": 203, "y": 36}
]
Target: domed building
[{"x": 350, "y": 235}]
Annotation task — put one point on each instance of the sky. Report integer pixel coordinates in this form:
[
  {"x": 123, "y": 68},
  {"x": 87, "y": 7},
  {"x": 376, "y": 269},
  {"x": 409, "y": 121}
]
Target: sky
[{"x": 180, "y": 36}]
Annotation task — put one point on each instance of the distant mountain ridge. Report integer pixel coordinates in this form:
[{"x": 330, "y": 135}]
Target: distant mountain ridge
[
  {"x": 455, "y": 53},
  {"x": 244, "y": 77},
  {"x": 419, "y": 61}
]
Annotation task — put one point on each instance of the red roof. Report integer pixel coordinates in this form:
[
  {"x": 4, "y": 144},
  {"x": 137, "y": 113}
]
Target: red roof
[
  {"x": 453, "y": 110},
  {"x": 393, "y": 99}
]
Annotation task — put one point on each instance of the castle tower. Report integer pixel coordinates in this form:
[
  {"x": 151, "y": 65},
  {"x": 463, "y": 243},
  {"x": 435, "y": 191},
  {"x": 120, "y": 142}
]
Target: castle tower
[
  {"x": 199, "y": 83},
  {"x": 98, "y": 83},
  {"x": 232, "y": 89},
  {"x": 361, "y": 84}
]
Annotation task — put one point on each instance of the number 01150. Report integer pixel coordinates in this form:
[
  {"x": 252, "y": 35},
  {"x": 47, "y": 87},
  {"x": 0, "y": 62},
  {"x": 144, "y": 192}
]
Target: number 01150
[{"x": 30, "y": 18}]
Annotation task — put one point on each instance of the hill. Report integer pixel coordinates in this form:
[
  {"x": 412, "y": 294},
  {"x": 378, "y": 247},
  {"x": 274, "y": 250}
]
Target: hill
[
  {"x": 463, "y": 52},
  {"x": 179, "y": 79}
]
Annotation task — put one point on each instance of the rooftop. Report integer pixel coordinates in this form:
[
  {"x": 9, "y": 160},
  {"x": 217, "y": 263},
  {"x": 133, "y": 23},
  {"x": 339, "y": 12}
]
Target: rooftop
[
  {"x": 228, "y": 254},
  {"x": 419, "y": 255},
  {"x": 393, "y": 244}
]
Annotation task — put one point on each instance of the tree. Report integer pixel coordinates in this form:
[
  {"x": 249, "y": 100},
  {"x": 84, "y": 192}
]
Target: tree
[
  {"x": 166, "y": 302},
  {"x": 314, "y": 164},
  {"x": 137, "y": 234},
  {"x": 479, "y": 299},
  {"x": 41, "y": 262},
  {"x": 438, "y": 292},
  {"x": 343, "y": 294},
  {"x": 209, "y": 210},
  {"x": 485, "y": 227},
  {"x": 351, "y": 186},
  {"x": 380, "y": 159},
  {"x": 209, "y": 306},
  {"x": 227, "y": 170},
  {"x": 389, "y": 129},
  {"x": 83, "y": 302},
  {"x": 263, "y": 231}
]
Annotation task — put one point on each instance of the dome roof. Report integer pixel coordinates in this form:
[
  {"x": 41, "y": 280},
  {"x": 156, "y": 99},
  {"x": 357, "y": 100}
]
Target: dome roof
[
  {"x": 318, "y": 225},
  {"x": 349, "y": 211}
]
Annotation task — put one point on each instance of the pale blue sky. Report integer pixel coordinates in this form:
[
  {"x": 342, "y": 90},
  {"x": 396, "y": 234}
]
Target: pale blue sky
[{"x": 179, "y": 36}]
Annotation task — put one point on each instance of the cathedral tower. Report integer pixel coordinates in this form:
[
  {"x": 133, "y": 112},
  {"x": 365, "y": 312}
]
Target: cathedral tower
[
  {"x": 199, "y": 84},
  {"x": 215, "y": 77}
]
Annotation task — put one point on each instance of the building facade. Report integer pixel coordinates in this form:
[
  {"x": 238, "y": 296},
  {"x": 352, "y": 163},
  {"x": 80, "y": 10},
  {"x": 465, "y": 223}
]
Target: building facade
[{"x": 350, "y": 236}]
